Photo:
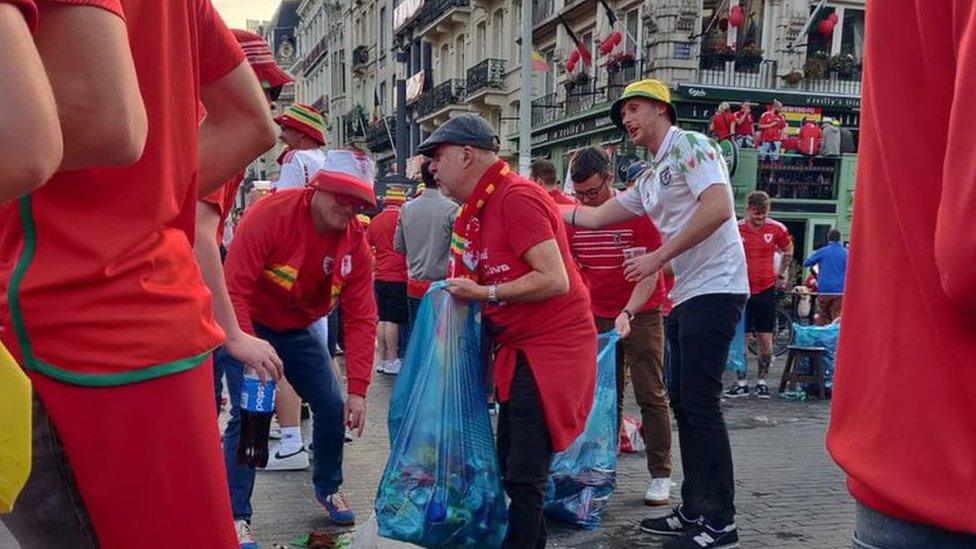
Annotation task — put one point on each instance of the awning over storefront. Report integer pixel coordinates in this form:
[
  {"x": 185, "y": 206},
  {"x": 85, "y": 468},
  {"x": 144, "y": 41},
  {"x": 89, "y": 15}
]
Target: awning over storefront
[{"x": 699, "y": 92}]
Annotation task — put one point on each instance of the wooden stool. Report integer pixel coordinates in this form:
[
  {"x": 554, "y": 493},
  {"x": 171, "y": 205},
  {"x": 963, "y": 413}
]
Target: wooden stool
[{"x": 815, "y": 355}]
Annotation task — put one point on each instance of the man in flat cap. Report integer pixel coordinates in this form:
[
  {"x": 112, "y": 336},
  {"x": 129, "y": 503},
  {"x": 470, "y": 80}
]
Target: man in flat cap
[{"x": 510, "y": 251}]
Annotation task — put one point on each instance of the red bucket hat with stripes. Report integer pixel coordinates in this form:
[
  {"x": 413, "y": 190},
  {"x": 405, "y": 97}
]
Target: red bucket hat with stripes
[{"x": 261, "y": 59}]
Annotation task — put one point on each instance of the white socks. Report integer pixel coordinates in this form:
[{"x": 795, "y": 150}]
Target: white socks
[{"x": 291, "y": 439}]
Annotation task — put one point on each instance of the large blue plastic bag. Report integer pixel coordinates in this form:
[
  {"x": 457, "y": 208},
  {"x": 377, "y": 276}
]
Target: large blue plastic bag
[
  {"x": 582, "y": 477},
  {"x": 737, "y": 351},
  {"x": 442, "y": 486},
  {"x": 818, "y": 336}
]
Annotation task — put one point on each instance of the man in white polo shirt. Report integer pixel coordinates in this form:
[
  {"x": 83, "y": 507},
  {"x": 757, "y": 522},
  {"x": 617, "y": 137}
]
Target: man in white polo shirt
[{"x": 686, "y": 191}]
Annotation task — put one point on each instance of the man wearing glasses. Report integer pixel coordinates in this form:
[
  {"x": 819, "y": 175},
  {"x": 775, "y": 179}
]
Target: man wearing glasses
[
  {"x": 294, "y": 254},
  {"x": 633, "y": 308}
]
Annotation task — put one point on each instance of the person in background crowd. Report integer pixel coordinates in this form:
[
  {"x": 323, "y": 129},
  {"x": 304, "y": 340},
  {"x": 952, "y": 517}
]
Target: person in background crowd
[
  {"x": 772, "y": 128},
  {"x": 423, "y": 233},
  {"x": 303, "y": 132},
  {"x": 543, "y": 172},
  {"x": 810, "y": 137},
  {"x": 391, "y": 280},
  {"x": 128, "y": 351},
  {"x": 509, "y": 250},
  {"x": 830, "y": 146},
  {"x": 831, "y": 262},
  {"x": 634, "y": 172},
  {"x": 901, "y": 422},
  {"x": 689, "y": 196},
  {"x": 633, "y": 309},
  {"x": 722, "y": 126},
  {"x": 295, "y": 253},
  {"x": 847, "y": 145},
  {"x": 745, "y": 133},
  {"x": 762, "y": 238},
  {"x": 212, "y": 212}
]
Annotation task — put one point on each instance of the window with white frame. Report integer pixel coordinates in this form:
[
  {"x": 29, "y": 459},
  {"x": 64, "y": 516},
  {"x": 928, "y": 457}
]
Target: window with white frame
[
  {"x": 460, "y": 68},
  {"x": 498, "y": 34}
]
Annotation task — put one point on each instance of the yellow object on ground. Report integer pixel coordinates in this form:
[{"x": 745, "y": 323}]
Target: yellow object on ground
[{"x": 15, "y": 430}]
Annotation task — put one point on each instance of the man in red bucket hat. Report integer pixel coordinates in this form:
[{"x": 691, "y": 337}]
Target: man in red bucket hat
[
  {"x": 303, "y": 131},
  {"x": 294, "y": 255}
]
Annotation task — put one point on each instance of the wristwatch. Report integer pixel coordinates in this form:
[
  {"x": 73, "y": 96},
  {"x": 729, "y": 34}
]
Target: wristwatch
[
  {"x": 630, "y": 314},
  {"x": 493, "y": 295}
]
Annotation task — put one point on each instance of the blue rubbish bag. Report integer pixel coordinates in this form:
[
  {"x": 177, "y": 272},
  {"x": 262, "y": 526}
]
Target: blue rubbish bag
[
  {"x": 737, "y": 351},
  {"x": 583, "y": 477},
  {"x": 442, "y": 485},
  {"x": 818, "y": 336}
]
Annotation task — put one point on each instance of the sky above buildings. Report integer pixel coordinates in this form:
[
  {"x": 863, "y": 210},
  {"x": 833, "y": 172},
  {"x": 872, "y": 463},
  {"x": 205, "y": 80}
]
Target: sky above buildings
[{"x": 236, "y": 12}]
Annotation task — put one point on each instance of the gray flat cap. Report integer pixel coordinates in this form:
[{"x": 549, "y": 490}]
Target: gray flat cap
[{"x": 466, "y": 129}]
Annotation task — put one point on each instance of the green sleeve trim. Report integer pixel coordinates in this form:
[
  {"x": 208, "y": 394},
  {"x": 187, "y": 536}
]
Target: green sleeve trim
[{"x": 30, "y": 360}]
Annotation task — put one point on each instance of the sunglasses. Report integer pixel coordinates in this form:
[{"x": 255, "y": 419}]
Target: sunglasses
[
  {"x": 589, "y": 194},
  {"x": 354, "y": 204}
]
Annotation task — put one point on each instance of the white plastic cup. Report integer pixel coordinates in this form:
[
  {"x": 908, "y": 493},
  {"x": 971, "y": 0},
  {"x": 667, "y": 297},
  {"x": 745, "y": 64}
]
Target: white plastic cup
[{"x": 630, "y": 253}]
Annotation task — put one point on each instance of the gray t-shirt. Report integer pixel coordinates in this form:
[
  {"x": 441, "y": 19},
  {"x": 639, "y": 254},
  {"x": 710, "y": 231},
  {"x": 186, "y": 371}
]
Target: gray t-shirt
[
  {"x": 423, "y": 232},
  {"x": 687, "y": 164}
]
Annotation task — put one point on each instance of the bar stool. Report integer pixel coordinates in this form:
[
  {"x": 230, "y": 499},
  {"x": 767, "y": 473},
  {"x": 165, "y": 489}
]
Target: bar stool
[{"x": 791, "y": 376}]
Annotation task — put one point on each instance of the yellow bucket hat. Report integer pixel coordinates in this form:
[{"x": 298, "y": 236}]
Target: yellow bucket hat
[{"x": 648, "y": 89}]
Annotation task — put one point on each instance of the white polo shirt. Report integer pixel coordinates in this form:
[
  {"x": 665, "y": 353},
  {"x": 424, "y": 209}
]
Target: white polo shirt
[{"x": 687, "y": 164}]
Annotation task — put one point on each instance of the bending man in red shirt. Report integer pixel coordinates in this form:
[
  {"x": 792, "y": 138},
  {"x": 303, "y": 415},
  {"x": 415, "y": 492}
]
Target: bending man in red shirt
[
  {"x": 762, "y": 238},
  {"x": 634, "y": 309},
  {"x": 510, "y": 251},
  {"x": 391, "y": 280},
  {"x": 293, "y": 255}
]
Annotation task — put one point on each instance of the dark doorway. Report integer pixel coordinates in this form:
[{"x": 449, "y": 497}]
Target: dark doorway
[{"x": 798, "y": 230}]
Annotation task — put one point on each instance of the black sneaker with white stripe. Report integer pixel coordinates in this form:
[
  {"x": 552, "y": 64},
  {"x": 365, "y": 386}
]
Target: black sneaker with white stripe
[
  {"x": 702, "y": 536},
  {"x": 675, "y": 524}
]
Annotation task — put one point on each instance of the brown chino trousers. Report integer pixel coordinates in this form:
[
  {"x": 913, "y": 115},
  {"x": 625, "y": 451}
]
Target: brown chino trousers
[{"x": 642, "y": 352}]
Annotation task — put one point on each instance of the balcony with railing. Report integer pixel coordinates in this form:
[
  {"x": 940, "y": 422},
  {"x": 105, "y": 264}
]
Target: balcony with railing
[
  {"x": 485, "y": 78},
  {"x": 619, "y": 79},
  {"x": 720, "y": 70},
  {"x": 833, "y": 83},
  {"x": 545, "y": 109},
  {"x": 442, "y": 16},
  {"x": 381, "y": 135},
  {"x": 354, "y": 125},
  {"x": 799, "y": 177},
  {"x": 582, "y": 96},
  {"x": 440, "y": 97},
  {"x": 542, "y": 10}
]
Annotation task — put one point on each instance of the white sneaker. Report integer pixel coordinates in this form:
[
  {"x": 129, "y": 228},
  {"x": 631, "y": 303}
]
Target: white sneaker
[
  {"x": 287, "y": 461},
  {"x": 382, "y": 366},
  {"x": 393, "y": 366},
  {"x": 659, "y": 492},
  {"x": 244, "y": 535}
]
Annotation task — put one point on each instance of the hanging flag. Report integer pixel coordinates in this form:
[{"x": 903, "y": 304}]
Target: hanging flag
[
  {"x": 611, "y": 16},
  {"x": 584, "y": 52},
  {"x": 375, "y": 115},
  {"x": 539, "y": 63}
]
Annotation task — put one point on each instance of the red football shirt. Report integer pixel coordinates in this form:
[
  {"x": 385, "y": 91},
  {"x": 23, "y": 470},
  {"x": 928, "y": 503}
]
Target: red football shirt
[
  {"x": 600, "y": 256},
  {"x": 391, "y": 265},
  {"x": 774, "y": 133},
  {"x": 761, "y": 245},
  {"x": 98, "y": 264},
  {"x": 284, "y": 274},
  {"x": 810, "y": 137},
  {"x": 902, "y": 419},
  {"x": 745, "y": 125},
  {"x": 722, "y": 125},
  {"x": 222, "y": 199},
  {"x": 557, "y": 335}
]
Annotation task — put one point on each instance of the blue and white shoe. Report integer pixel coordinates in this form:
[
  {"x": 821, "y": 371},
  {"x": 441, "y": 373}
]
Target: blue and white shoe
[{"x": 340, "y": 512}]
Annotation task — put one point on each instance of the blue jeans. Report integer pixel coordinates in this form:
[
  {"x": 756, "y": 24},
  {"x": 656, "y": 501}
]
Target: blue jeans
[
  {"x": 308, "y": 370},
  {"x": 874, "y": 530}
]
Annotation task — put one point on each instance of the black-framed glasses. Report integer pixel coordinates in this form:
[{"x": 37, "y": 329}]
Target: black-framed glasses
[{"x": 590, "y": 194}]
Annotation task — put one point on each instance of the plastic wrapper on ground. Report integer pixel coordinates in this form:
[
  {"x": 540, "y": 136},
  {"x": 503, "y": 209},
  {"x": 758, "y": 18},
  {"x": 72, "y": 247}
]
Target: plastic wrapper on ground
[
  {"x": 818, "y": 336},
  {"x": 441, "y": 486},
  {"x": 582, "y": 478}
]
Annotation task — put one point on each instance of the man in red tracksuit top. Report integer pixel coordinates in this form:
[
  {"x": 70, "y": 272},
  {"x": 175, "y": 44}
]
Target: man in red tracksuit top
[{"x": 293, "y": 255}]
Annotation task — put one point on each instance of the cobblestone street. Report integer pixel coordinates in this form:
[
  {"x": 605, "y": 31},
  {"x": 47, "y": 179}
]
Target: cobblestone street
[{"x": 788, "y": 491}]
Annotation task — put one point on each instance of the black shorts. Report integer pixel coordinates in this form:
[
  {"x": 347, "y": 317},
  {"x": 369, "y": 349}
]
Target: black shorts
[
  {"x": 391, "y": 300},
  {"x": 761, "y": 312}
]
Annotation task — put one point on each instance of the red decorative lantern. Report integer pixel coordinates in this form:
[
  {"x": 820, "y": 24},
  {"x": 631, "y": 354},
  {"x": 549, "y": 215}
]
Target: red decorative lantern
[
  {"x": 833, "y": 17},
  {"x": 616, "y": 37},
  {"x": 826, "y": 28},
  {"x": 607, "y": 46},
  {"x": 736, "y": 16},
  {"x": 571, "y": 64}
]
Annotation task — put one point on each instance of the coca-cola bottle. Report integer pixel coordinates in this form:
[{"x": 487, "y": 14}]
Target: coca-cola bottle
[{"x": 257, "y": 407}]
